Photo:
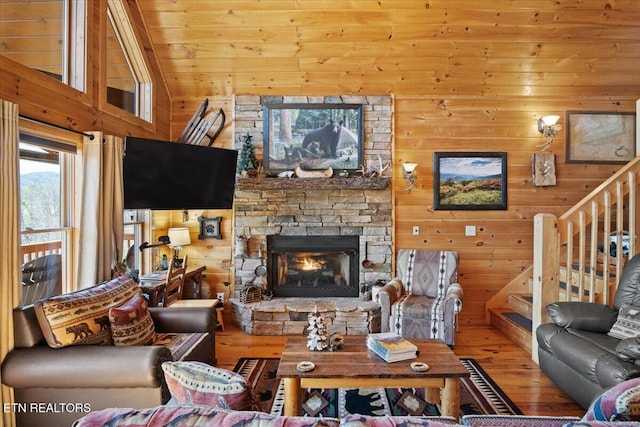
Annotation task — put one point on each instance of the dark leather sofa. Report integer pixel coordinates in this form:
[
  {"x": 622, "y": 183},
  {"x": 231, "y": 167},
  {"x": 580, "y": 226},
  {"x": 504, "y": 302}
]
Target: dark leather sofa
[
  {"x": 575, "y": 351},
  {"x": 56, "y": 386}
]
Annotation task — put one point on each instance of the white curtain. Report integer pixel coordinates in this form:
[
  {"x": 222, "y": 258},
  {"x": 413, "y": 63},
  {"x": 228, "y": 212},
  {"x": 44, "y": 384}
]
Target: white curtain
[
  {"x": 99, "y": 209},
  {"x": 9, "y": 238}
]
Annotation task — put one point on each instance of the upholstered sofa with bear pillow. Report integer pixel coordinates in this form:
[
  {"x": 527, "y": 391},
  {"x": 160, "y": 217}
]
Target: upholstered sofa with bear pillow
[{"x": 99, "y": 348}]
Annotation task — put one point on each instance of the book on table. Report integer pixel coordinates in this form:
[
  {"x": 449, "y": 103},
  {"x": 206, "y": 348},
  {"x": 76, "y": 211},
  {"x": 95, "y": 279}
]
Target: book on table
[{"x": 391, "y": 347}]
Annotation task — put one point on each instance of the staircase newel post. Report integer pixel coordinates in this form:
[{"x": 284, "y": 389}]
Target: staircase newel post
[{"x": 546, "y": 262}]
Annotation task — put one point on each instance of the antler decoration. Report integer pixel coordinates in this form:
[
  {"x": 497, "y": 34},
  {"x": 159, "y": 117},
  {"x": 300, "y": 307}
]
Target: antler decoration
[{"x": 371, "y": 172}]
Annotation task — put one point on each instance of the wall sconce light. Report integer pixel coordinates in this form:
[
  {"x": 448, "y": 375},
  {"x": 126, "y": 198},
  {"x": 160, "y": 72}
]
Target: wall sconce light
[
  {"x": 547, "y": 125},
  {"x": 178, "y": 237},
  {"x": 409, "y": 174}
]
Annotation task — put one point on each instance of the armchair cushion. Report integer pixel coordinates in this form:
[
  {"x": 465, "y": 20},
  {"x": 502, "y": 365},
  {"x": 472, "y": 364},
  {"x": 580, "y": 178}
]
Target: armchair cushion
[
  {"x": 82, "y": 317},
  {"x": 427, "y": 273},
  {"x": 131, "y": 323}
]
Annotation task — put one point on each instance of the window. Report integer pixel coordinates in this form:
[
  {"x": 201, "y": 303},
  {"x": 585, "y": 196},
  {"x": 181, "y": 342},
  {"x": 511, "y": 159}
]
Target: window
[
  {"x": 132, "y": 239},
  {"x": 48, "y": 36},
  {"x": 45, "y": 217},
  {"x": 128, "y": 78}
]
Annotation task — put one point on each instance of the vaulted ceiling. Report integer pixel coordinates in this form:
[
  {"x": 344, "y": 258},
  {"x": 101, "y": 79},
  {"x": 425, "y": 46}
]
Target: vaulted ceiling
[{"x": 482, "y": 47}]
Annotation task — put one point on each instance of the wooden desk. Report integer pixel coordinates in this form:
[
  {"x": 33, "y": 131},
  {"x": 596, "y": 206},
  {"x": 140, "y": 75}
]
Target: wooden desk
[
  {"x": 357, "y": 367},
  {"x": 153, "y": 284}
]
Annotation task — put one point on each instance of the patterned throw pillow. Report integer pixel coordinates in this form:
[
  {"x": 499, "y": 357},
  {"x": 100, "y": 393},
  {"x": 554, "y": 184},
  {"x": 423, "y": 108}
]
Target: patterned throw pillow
[
  {"x": 201, "y": 384},
  {"x": 82, "y": 317},
  {"x": 131, "y": 323},
  {"x": 356, "y": 420},
  {"x": 619, "y": 403},
  {"x": 628, "y": 323},
  {"x": 196, "y": 416}
]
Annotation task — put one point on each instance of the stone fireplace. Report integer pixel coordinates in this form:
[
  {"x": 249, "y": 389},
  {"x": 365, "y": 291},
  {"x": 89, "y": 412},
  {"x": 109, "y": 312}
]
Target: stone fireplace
[{"x": 305, "y": 209}]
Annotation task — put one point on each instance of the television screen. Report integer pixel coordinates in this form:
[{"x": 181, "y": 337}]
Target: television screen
[{"x": 168, "y": 175}]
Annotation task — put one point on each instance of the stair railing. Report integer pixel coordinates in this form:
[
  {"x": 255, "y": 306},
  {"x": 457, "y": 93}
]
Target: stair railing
[{"x": 574, "y": 258}]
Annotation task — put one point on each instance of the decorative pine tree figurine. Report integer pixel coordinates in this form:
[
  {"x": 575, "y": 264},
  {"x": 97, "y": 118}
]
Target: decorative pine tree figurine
[
  {"x": 247, "y": 163},
  {"x": 317, "y": 335}
]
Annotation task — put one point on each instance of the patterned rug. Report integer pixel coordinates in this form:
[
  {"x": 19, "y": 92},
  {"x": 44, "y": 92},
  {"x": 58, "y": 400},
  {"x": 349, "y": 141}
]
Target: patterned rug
[{"x": 479, "y": 394}]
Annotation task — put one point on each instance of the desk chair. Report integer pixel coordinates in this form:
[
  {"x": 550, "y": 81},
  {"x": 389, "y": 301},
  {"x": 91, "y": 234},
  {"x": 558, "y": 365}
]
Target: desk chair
[{"x": 174, "y": 286}]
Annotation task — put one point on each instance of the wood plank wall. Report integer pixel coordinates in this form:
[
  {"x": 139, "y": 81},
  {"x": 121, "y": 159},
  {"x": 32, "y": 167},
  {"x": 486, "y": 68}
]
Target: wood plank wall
[{"x": 466, "y": 75}]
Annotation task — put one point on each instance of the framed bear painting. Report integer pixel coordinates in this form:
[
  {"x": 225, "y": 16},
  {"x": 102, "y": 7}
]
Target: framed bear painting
[{"x": 312, "y": 137}]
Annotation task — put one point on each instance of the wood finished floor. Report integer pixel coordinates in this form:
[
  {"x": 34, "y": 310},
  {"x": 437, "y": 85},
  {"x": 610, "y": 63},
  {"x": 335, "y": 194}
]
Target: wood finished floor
[{"x": 510, "y": 367}]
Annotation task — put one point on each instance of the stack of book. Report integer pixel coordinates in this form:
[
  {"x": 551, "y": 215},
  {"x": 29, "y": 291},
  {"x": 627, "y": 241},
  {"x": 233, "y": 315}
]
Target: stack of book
[{"x": 391, "y": 347}]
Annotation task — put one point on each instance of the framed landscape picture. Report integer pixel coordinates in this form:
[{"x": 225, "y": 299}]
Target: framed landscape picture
[
  {"x": 470, "y": 181},
  {"x": 600, "y": 137},
  {"x": 313, "y": 137}
]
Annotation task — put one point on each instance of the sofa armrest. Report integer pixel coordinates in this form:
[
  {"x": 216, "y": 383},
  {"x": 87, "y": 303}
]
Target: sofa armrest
[
  {"x": 86, "y": 366},
  {"x": 582, "y": 315},
  {"x": 454, "y": 291},
  {"x": 629, "y": 349},
  {"x": 184, "y": 319},
  {"x": 390, "y": 293}
]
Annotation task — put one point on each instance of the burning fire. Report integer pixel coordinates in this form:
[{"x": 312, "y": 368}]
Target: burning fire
[{"x": 310, "y": 264}]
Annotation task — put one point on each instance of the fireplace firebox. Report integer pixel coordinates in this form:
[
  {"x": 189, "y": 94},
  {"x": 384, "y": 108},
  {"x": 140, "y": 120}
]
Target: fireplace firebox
[{"x": 313, "y": 266}]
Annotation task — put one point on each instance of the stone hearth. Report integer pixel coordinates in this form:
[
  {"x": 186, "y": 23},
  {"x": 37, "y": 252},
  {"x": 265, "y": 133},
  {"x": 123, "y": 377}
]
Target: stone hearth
[{"x": 288, "y": 316}]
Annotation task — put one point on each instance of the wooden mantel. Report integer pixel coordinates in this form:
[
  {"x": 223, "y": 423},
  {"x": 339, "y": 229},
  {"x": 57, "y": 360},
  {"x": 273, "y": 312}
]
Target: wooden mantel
[{"x": 338, "y": 183}]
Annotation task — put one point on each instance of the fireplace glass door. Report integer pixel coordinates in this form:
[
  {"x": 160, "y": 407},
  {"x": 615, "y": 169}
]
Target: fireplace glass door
[{"x": 320, "y": 271}]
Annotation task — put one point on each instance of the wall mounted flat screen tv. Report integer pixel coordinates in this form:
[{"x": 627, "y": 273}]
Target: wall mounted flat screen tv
[{"x": 167, "y": 175}]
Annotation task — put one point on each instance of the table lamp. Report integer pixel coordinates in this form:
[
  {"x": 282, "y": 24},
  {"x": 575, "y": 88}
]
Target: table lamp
[{"x": 178, "y": 237}]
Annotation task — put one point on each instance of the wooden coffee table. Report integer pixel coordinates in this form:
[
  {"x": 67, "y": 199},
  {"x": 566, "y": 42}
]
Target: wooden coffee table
[{"x": 355, "y": 367}]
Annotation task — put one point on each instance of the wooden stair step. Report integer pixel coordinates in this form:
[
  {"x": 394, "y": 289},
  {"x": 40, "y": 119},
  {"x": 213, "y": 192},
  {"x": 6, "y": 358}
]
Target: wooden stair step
[
  {"x": 522, "y": 304},
  {"x": 510, "y": 327}
]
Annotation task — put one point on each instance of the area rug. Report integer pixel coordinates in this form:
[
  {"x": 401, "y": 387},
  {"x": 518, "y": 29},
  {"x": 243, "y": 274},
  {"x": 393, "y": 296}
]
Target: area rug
[{"x": 479, "y": 394}]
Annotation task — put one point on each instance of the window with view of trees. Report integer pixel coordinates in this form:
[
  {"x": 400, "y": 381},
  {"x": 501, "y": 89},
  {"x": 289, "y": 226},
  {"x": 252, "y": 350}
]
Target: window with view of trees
[{"x": 44, "y": 220}]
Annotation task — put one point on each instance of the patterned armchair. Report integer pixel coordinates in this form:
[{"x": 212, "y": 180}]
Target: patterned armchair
[{"x": 424, "y": 299}]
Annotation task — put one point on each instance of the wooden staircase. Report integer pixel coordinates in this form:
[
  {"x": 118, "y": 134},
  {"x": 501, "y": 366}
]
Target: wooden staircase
[
  {"x": 514, "y": 315},
  {"x": 514, "y": 320}
]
